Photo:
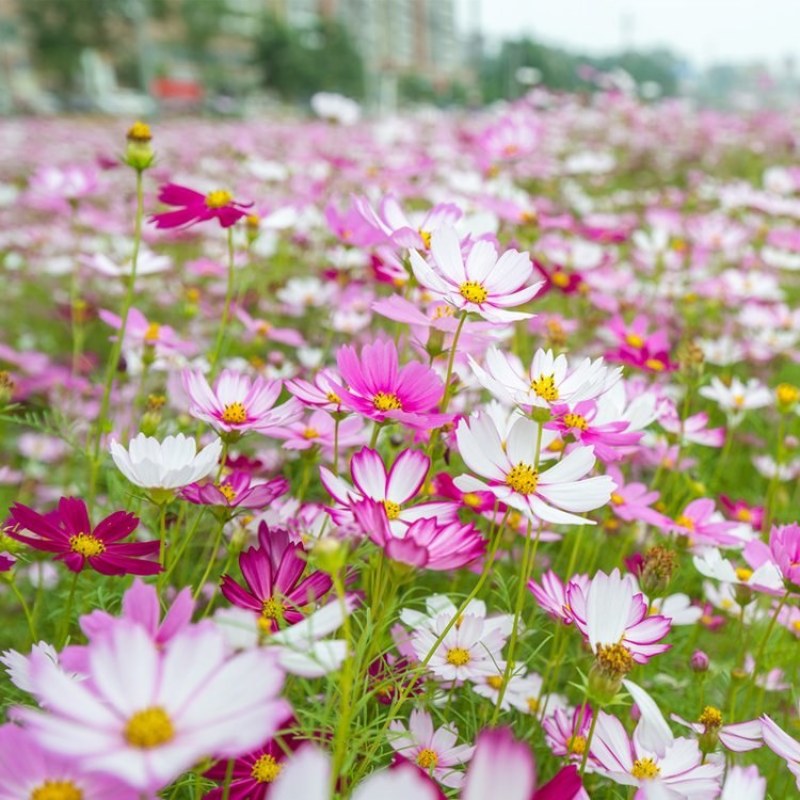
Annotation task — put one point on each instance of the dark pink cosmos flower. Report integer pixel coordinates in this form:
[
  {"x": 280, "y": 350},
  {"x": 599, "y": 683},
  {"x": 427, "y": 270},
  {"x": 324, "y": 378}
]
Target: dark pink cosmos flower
[
  {"x": 479, "y": 502},
  {"x": 68, "y": 532},
  {"x": 273, "y": 572},
  {"x": 380, "y": 389},
  {"x": 559, "y": 278},
  {"x": 424, "y": 543},
  {"x": 196, "y": 207},
  {"x": 783, "y": 553},
  {"x": 743, "y": 512},
  {"x": 236, "y": 491}
]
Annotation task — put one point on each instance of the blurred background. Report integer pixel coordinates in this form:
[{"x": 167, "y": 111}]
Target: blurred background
[{"x": 238, "y": 57}]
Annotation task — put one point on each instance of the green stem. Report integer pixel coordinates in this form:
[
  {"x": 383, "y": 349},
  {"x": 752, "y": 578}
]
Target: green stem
[
  {"x": 116, "y": 349},
  {"x": 226, "y": 312},
  {"x": 64, "y": 631},
  {"x": 343, "y": 729},
  {"x": 162, "y": 534},
  {"x": 762, "y": 647},
  {"x": 26, "y": 610},
  {"x": 210, "y": 565},
  {"x": 451, "y": 361},
  {"x": 585, "y": 758}
]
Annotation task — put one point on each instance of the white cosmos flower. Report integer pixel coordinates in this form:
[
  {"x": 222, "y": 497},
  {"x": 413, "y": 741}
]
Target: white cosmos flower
[
  {"x": 170, "y": 464},
  {"x": 550, "y": 379},
  {"x": 513, "y": 477}
]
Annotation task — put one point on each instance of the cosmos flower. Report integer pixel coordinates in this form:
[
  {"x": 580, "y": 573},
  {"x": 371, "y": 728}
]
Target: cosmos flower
[
  {"x": 239, "y": 403},
  {"x": 169, "y": 464},
  {"x": 146, "y": 714},
  {"x": 273, "y": 572},
  {"x": 513, "y": 477},
  {"x": 237, "y": 490},
  {"x": 783, "y": 745},
  {"x": 381, "y": 390},
  {"x": 744, "y": 783},
  {"x": 551, "y": 594},
  {"x": 567, "y": 731},
  {"x": 484, "y": 284},
  {"x": 68, "y": 532},
  {"x": 194, "y": 207},
  {"x": 782, "y": 554},
  {"x": 319, "y": 430},
  {"x": 738, "y": 737},
  {"x": 434, "y": 751}
]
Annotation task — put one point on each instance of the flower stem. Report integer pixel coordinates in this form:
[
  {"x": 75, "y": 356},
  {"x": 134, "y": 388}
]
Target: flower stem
[
  {"x": 116, "y": 349},
  {"x": 213, "y": 359},
  {"x": 589, "y": 742},
  {"x": 211, "y": 560},
  {"x": 346, "y": 690},
  {"x": 25, "y": 609},
  {"x": 64, "y": 632},
  {"x": 451, "y": 361},
  {"x": 762, "y": 647}
]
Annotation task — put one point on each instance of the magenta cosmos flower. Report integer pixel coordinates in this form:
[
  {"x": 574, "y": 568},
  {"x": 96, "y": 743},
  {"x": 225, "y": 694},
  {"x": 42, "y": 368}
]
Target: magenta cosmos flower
[
  {"x": 196, "y": 207},
  {"x": 29, "y": 771},
  {"x": 424, "y": 543},
  {"x": 783, "y": 552},
  {"x": 68, "y": 532},
  {"x": 145, "y": 714},
  {"x": 380, "y": 389},
  {"x": 612, "y": 611},
  {"x": 273, "y": 572},
  {"x": 237, "y": 491},
  {"x": 238, "y": 403}
]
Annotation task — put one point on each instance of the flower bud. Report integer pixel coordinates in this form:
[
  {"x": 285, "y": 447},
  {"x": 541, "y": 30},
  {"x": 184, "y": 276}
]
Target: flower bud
[
  {"x": 329, "y": 554},
  {"x": 139, "y": 152},
  {"x": 699, "y": 661},
  {"x": 657, "y": 570}
]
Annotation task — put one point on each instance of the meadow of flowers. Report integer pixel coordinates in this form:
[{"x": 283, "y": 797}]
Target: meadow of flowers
[{"x": 440, "y": 456}]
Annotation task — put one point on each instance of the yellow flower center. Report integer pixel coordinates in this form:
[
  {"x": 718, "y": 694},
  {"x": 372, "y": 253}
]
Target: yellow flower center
[
  {"x": 392, "y": 509},
  {"x": 743, "y": 573},
  {"x": 473, "y": 292},
  {"x": 685, "y": 522},
  {"x": 711, "y": 718},
  {"x": 266, "y": 769},
  {"x": 576, "y": 421},
  {"x": 149, "y": 728},
  {"x": 615, "y": 658},
  {"x": 645, "y": 769},
  {"x": 272, "y": 609},
  {"x": 495, "y": 681},
  {"x": 634, "y": 340},
  {"x": 86, "y": 545},
  {"x": 57, "y": 790},
  {"x": 310, "y": 433},
  {"x": 442, "y": 311},
  {"x": 152, "y": 332},
  {"x": 617, "y": 499},
  {"x": 426, "y": 238},
  {"x": 427, "y": 759},
  {"x": 786, "y": 394},
  {"x": 227, "y": 491},
  {"x": 655, "y": 364},
  {"x": 234, "y": 414},
  {"x": 219, "y": 198},
  {"x": 385, "y": 401},
  {"x": 523, "y": 478},
  {"x": 334, "y": 398},
  {"x": 576, "y": 744},
  {"x": 796, "y": 625},
  {"x": 263, "y": 328},
  {"x": 139, "y": 132},
  {"x": 744, "y": 515},
  {"x": 556, "y": 446},
  {"x": 458, "y": 656},
  {"x": 738, "y": 400},
  {"x": 560, "y": 279},
  {"x": 471, "y": 499},
  {"x": 545, "y": 387}
]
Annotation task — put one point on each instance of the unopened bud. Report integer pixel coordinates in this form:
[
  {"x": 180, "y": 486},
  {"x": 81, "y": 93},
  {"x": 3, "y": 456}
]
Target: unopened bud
[
  {"x": 699, "y": 661},
  {"x": 657, "y": 571},
  {"x": 139, "y": 151}
]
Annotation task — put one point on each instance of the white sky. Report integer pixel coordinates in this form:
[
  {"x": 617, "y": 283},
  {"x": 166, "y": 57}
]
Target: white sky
[{"x": 705, "y": 31}]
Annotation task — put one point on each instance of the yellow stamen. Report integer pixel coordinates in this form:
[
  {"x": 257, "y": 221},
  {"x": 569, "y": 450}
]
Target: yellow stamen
[
  {"x": 576, "y": 421},
  {"x": 152, "y": 332},
  {"x": 427, "y": 758},
  {"x": 139, "y": 132},
  {"x": 86, "y": 545},
  {"x": 560, "y": 279},
  {"x": 310, "y": 433},
  {"x": 426, "y": 238},
  {"x": 545, "y": 387},
  {"x": 523, "y": 478},
  {"x": 219, "y": 198},
  {"x": 392, "y": 509},
  {"x": 227, "y": 491},
  {"x": 711, "y": 718},
  {"x": 743, "y": 573},
  {"x": 685, "y": 522},
  {"x": 458, "y": 656},
  {"x": 645, "y": 769},
  {"x": 385, "y": 401},
  {"x": 149, "y": 728},
  {"x": 634, "y": 340},
  {"x": 266, "y": 769},
  {"x": 56, "y": 790},
  {"x": 473, "y": 292},
  {"x": 576, "y": 744},
  {"x": 234, "y": 414},
  {"x": 495, "y": 681},
  {"x": 471, "y": 499},
  {"x": 272, "y": 609},
  {"x": 655, "y": 364},
  {"x": 615, "y": 658}
]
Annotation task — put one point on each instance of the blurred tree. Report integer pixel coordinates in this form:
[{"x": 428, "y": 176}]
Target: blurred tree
[
  {"x": 297, "y": 63},
  {"x": 61, "y": 29}
]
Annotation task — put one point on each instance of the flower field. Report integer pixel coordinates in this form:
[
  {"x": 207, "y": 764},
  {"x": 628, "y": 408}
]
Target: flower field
[{"x": 452, "y": 455}]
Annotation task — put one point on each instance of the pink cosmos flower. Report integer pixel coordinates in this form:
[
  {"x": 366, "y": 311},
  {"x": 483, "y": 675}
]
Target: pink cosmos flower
[
  {"x": 484, "y": 284},
  {"x": 512, "y": 475},
  {"x": 551, "y": 595},
  {"x": 196, "y": 207},
  {"x": 29, "y": 771},
  {"x": 147, "y": 714},
  {"x": 738, "y": 737},
  {"x": 394, "y": 488},
  {"x": 692, "y": 429},
  {"x": 702, "y": 524},
  {"x": 783, "y": 552},
  {"x": 433, "y": 751},
  {"x": 744, "y": 783},
  {"x": 676, "y": 771},
  {"x": 632, "y": 501},
  {"x": 567, "y": 732},
  {"x": 320, "y": 393},
  {"x": 425, "y": 543},
  {"x": 613, "y": 611},
  {"x": 783, "y": 745},
  {"x": 742, "y": 511},
  {"x": 320, "y": 430},
  {"x": 236, "y": 491},
  {"x": 276, "y": 589},
  {"x": 380, "y": 389},
  {"x": 139, "y": 333},
  {"x": 68, "y": 532},
  {"x": 239, "y": 403},
  {"x": 262, "y": 329},
  {"x": 479, "y": 502}
]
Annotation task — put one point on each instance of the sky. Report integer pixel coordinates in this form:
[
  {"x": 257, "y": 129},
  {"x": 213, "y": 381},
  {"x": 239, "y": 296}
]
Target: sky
[{"x": 706, "y": 31}]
